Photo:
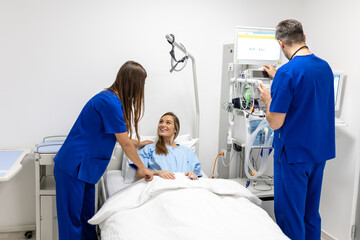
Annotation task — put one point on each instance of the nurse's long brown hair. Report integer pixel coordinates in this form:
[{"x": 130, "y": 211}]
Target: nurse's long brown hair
[
  {"x": 160, "y": 144},
  {"x": 129, "y": 87}
]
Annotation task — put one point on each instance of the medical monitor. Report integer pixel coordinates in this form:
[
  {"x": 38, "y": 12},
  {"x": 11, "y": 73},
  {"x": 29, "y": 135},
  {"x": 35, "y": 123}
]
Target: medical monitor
[
  {"x": 338, "y": 82},
  {"x": 256, "y": 46}
]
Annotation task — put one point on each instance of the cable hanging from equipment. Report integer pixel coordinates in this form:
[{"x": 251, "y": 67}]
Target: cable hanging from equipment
[{"x": 183, "y": 60}]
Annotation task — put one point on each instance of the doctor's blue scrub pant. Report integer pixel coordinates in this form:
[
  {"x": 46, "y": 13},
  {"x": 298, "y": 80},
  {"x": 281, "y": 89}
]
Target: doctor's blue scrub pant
[
  {"x": 75, "y": 203},
  {"x": 297, "y": 190}
]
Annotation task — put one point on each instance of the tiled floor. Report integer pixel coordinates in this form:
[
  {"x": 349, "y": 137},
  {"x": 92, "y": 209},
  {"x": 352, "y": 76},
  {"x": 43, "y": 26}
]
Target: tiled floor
[{"x": 15, "y": 236}]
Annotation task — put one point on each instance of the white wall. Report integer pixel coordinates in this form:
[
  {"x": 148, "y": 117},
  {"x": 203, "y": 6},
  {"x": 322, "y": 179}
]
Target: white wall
[
  {"x": 55, "y": 55},
  {"x": 332, "y": 33}
]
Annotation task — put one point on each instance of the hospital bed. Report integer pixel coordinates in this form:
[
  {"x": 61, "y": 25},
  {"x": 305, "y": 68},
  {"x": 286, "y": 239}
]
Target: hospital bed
[
  {"x": 177, "y": 209},
  {"x": 11, "y": 164},
  {"x": 120, "y": 175}
]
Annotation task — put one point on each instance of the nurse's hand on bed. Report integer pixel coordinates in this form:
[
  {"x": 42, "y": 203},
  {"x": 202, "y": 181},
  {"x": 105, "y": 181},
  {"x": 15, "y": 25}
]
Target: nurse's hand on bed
[
  {"x": 148, "y": 174},
  {"x": 191, "y": 175},
  {"x": 165, "y": 174}
]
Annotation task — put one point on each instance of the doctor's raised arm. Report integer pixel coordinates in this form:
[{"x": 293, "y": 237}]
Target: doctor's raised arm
[{"x": 276, "y": 120}]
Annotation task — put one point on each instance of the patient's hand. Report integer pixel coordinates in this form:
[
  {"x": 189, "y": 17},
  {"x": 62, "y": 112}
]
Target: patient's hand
[
  {"x": 191, "y": 175},
  {"x": 165, "y": 174}
]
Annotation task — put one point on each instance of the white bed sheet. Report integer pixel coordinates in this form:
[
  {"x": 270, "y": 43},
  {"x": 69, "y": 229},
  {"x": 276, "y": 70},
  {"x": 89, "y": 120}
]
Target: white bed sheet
[
  {"x": 185, "y": 209},
  {"x": 115, "y": 181}
]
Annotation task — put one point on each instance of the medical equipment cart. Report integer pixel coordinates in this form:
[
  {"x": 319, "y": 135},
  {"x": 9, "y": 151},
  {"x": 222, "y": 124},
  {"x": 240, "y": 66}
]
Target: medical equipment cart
[{"x": 45, "y": 193}]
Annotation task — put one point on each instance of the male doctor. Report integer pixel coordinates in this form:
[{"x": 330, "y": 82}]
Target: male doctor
[{"x": 300, "y": 108}]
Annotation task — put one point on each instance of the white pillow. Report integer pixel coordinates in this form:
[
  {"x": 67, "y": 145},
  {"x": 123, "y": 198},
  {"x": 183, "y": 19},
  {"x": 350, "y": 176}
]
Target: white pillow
[
  {"x": 143, "y": 138},
  {"x": 190, "y": 143},
  {"x": 182, "y": 138},
  {"x": 116, "y": 158},
  {"x": 129, "y": 173}
]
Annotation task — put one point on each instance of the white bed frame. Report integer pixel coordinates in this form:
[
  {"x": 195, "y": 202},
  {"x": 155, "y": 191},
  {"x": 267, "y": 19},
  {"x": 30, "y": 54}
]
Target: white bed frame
[{"x": 114, "y": 164}]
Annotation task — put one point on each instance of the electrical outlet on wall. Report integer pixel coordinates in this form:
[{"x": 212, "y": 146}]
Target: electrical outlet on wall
[{"x": 230, "y": 67}]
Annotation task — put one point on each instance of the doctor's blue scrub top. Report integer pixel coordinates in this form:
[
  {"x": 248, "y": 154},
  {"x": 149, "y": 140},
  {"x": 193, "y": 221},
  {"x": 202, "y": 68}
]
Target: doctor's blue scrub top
[
  {"x": 304, "y": 90},
  {"x": 87, "y": 149}
]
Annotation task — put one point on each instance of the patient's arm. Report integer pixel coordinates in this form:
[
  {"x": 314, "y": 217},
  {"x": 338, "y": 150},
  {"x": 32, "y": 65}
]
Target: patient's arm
[
  {"x": 165, "y": 174},
  {"x": 161, "y": 173}
]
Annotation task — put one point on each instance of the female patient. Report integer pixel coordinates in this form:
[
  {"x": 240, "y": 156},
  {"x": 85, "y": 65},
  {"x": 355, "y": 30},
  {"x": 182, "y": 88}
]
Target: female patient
[{"x": 165, "y": 157}]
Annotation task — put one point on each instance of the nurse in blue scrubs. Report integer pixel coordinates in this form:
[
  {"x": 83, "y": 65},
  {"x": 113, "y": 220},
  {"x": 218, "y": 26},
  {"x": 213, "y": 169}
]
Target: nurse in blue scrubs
[
  {"x": 107, "y": 117},
  {"x": 300, "y": 108}
]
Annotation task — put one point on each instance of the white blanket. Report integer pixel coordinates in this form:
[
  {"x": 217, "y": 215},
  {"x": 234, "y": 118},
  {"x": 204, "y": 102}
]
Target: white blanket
[{"x": 185, "y": 209}]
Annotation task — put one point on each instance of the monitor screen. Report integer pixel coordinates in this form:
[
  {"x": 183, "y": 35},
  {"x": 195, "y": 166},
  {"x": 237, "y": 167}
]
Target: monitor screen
[
  {"x": 338, "y": 81},
  {"x": 256, "y": 46}
]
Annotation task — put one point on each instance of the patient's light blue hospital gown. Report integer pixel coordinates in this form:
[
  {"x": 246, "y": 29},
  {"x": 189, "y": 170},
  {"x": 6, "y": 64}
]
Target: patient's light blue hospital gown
[{"x": 180, "y": 159}]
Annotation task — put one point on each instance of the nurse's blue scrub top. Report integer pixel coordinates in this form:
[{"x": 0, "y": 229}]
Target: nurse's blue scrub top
[
  {"x": 87, "y": 149},
  {"x": 303, "y": 88}
]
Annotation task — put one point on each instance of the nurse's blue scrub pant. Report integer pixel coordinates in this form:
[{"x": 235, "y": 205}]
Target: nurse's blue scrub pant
[
  {"x": 297, "y": 190},
  {"x": 75, "y": 203}
]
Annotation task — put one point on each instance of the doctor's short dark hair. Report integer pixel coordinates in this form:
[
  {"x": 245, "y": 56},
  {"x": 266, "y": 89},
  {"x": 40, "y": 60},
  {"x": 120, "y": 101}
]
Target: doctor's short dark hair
[{"x": 290, "y": 31}]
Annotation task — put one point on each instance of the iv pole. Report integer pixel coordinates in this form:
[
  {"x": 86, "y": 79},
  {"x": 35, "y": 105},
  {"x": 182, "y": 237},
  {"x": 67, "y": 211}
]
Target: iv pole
[{"x": 179, "y": 46}]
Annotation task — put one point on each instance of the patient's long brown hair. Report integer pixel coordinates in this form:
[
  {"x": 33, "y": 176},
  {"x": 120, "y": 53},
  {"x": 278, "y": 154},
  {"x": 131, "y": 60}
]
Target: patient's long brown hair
[
  {"x": 129, "y": 87},
  {"x": 160, "y": 145}
]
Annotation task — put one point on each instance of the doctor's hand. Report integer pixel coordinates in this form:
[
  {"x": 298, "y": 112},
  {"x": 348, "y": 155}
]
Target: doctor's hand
[
  {"x": 165, "y": 174},
  {"x": 265, "y": 96},
  {"x": 270, "y": 70}
]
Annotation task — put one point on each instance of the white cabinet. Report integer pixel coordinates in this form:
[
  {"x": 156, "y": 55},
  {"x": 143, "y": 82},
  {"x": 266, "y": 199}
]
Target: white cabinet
[{"x": 46, "y": 217}]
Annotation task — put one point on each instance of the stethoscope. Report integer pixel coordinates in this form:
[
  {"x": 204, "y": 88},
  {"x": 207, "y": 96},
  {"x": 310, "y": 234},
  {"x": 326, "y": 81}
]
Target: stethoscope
[{"x": 297, "y": 51}]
